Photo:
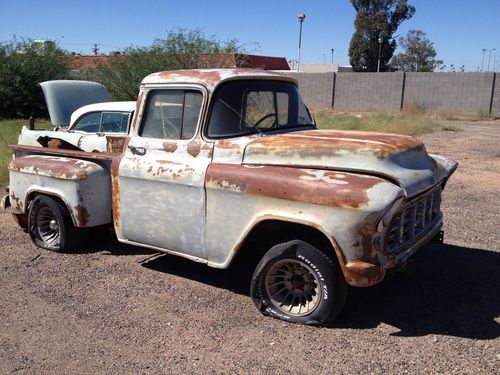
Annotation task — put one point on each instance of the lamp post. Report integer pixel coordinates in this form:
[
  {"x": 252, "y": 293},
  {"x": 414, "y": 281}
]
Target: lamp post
[
  {"x": 489, "y": 57},
  {"x": 302, "y": 16},
  {"x": 379, "y": 52},
  {"x": 482, "y": 61},
  {"x": 333, "y": 49}
]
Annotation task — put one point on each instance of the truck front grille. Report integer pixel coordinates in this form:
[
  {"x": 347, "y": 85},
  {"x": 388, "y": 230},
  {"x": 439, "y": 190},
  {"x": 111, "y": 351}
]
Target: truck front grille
[{"x": 417, "y": 218}]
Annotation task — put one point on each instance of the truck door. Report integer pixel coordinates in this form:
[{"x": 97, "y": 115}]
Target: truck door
[{"x": 161, "y": 177}]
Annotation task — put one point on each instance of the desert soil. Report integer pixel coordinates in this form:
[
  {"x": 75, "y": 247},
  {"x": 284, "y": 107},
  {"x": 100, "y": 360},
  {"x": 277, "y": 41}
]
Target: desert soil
[{"x": 124, "y": 310}]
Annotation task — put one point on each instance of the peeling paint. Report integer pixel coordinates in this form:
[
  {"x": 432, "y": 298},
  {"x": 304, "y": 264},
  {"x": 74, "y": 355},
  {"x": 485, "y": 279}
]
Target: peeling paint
[
  {"x": 82, "y": 215},
  {"x": 194, "y": 148},
  {"x": 170, "y": 146},
  {"x": 56, "y": 167},
  {"x": 293, "y": 184},
  {"x": 116, "y": 144}
]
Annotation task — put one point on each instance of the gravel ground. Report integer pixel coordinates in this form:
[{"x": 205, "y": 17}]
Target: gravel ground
[{"x": 119, "y": 309}]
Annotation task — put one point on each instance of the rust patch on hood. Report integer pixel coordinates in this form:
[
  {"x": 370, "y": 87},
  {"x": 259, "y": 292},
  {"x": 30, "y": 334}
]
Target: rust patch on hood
[
  {"x": 322, "y": 187},
  {"x": 320, "y": 143},
  {"x": 82, "y": 216},
  {"x": 58, "y": 143}
]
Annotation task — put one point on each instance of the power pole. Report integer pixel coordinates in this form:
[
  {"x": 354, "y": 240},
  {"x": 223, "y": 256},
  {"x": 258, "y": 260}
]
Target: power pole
[
  {"x": 95, "y": 49},
  {"x": 302, "y": 16}
]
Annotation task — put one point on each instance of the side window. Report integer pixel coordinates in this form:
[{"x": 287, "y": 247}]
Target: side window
[
  {"x": 171, "y": 114},
  {"x": 112, "y": 122},
  {"x": 192, "y": 106},
  {"x": 125, "y": 121},
  {"x": 89, "y": 123}
]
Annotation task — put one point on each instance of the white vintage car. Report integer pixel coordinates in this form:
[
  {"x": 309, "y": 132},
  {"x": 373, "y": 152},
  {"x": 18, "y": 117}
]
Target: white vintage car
[{"x": 84, "y": 106}]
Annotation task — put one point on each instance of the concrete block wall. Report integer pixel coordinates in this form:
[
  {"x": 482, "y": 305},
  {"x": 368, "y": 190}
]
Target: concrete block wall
[
  {"x": 368, "y": 92},
  {"x": 449, "y": 92},
  {"x": 316, "y": 89},
  {"x": 462, "y": 93}
]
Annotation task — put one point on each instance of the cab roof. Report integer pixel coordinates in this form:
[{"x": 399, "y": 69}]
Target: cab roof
[{"x": 211, "y": 78}]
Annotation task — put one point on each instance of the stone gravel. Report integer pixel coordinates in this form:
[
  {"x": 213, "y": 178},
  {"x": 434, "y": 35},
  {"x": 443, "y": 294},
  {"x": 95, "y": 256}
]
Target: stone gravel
[{"x": 112, "y": 308}]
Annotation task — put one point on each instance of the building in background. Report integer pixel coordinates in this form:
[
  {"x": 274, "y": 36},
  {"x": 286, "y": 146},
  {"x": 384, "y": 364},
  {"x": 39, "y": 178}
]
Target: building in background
[
  {"x": 320, "y": 68},
  {"x": 79, "y": 64}
]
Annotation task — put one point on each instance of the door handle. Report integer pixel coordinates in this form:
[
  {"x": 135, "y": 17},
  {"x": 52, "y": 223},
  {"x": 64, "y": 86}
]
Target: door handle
[{"x": 137, "y": 150}]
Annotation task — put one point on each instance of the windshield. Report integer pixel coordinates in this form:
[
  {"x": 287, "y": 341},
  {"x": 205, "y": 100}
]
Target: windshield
[{"x": 245, "y": 107}]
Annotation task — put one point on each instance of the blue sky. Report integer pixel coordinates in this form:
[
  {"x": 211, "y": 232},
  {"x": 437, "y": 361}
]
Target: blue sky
[{"x": 459, "y": 28}]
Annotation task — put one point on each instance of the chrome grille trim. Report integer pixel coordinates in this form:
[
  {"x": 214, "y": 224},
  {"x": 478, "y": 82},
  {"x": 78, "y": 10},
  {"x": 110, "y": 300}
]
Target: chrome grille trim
[{"x": 417, "y": 217}]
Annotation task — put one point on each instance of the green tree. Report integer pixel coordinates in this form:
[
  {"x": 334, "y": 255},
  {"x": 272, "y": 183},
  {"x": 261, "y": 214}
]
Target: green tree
[
  {"x": 181, "y": 49},
  {"x": 23, "y": 64},
  {"x": 418, "y": 54},
  {"x": 376, "y": 19}
]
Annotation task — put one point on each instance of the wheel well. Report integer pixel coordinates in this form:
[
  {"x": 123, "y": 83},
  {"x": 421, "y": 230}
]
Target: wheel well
[
  {"x": 268, "y": 233},
  {"x": 31, "y": 196}
]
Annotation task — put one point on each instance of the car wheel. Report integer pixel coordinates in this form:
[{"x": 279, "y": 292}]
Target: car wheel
[
  {"x": 50, "y": 226},
  {"x": 296, "y": 282}
]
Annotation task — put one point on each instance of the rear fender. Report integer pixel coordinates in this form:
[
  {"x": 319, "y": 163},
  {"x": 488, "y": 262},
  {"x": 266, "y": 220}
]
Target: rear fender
[{"x": 83, "y": 186}]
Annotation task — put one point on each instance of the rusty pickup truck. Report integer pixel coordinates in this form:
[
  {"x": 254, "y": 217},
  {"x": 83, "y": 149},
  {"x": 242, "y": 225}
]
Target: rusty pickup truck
[{"x": 223, "y": 163}]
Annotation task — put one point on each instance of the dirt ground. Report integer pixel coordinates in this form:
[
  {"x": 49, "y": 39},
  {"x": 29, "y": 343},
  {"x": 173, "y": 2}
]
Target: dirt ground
[{"x": 119, "y": 309}]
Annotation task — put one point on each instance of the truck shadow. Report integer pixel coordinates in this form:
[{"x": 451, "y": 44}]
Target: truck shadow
[
  {"x": 445, "y": 290},
  {"x": 104, "y": 239}
]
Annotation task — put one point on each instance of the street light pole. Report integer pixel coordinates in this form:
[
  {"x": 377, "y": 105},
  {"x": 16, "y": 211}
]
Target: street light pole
[
  {"x": 333, "y": 49},
  {"x": 482, "y": 61},
  {"x": 489, "y": 57},
  {"x": 379, "y": 52},
  {"x": 302, "y": 16}
]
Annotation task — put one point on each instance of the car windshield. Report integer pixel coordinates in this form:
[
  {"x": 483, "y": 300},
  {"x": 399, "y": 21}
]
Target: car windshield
[{"x": 245, "y": 107}]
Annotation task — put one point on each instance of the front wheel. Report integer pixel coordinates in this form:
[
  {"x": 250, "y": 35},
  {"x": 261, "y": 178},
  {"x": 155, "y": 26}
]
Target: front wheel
[
  {"x": 296, "y": 282},
  {"x": 50, "y": 226}
]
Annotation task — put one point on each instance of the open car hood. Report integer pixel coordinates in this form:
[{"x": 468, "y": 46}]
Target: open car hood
[{"x": 63, "y": 97}]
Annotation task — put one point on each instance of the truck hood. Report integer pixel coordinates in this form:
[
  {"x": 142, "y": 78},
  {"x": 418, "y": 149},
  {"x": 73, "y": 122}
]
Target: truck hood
[
  {"x": 396, "y": 157},
  {"x": 63, "y": 97}
]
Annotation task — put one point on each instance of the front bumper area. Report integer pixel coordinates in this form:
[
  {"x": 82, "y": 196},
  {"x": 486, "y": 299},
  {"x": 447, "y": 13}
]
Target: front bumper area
[{"x": 359, "y": 273}]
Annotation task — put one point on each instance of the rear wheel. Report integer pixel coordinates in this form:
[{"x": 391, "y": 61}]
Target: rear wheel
[
  {"x": 50, "y": 226},
  {"x": 296, "y": 282}
]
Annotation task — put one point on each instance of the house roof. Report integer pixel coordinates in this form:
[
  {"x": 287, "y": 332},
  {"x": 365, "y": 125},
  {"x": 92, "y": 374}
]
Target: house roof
[
  {"x": 228, "y": 60},
  {"x": 85, "y": 62}
]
